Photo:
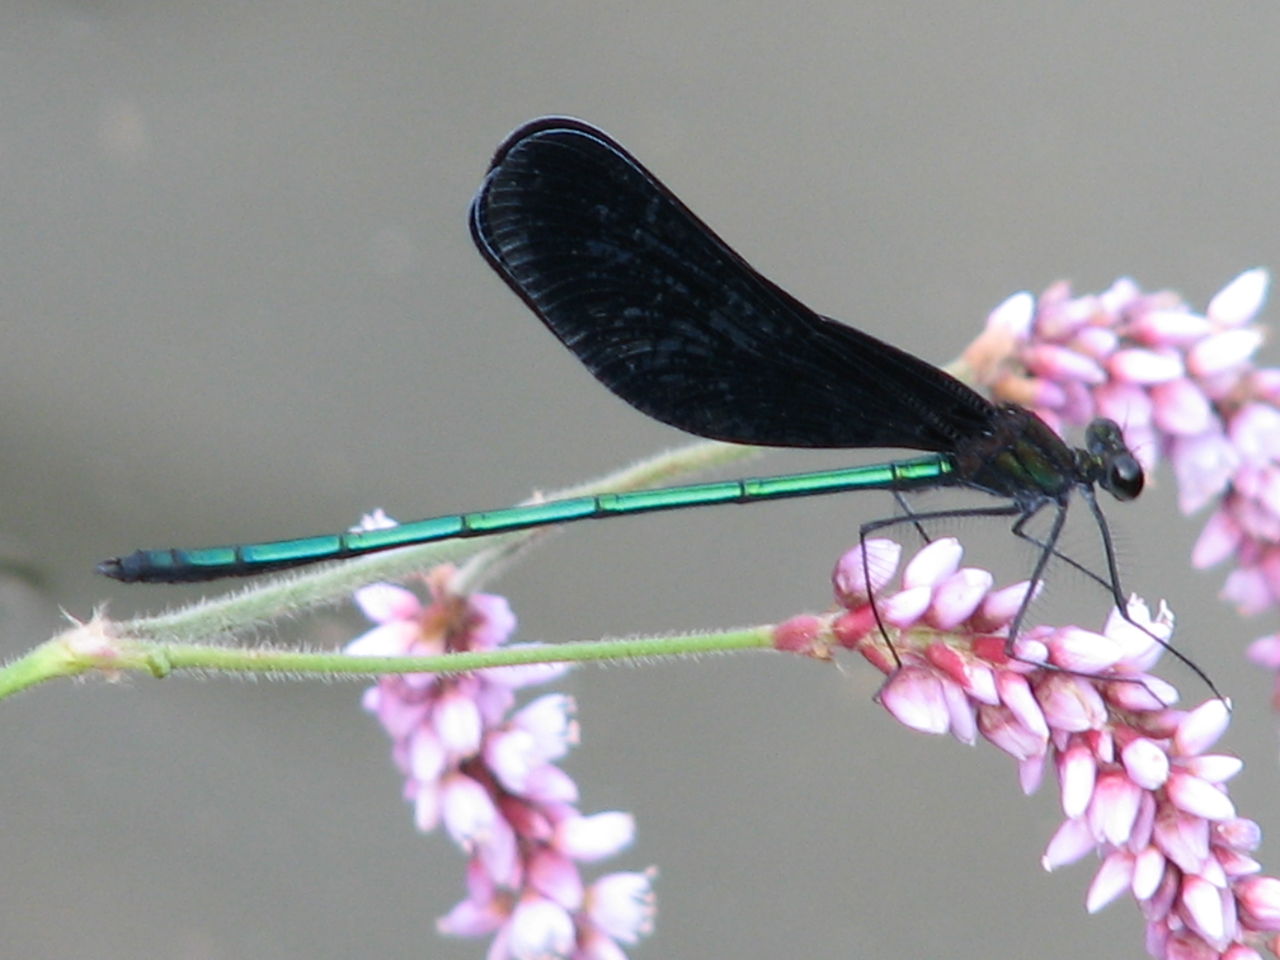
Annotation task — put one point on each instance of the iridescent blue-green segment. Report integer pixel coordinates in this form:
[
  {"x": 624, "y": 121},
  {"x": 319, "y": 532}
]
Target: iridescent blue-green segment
[
  {"x": 210, "y": 563},
  {"x": 670, "y": 319}
]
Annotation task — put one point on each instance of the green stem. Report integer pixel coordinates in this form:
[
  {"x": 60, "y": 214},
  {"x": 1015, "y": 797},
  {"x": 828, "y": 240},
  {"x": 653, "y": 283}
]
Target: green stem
[
  {"x": 92, "y": 647},
  {"x": 340, "y": 665}
]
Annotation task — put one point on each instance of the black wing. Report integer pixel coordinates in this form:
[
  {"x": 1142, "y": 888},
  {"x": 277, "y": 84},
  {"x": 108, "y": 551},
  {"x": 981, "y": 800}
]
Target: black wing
[{"x": 670, "y": 319}]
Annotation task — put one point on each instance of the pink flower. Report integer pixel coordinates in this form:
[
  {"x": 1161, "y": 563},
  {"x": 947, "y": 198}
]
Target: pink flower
[
  {"x": 1184, "y": 387},
  {"x": 486, "y": 772},
  {"x": 622, "y": 905},
  {"x": 1137, "y": 785}
]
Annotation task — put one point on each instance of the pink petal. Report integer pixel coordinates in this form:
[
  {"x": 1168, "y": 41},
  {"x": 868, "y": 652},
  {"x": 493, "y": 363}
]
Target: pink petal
[
  {"x": 1249, "y": 590},
  {"x": 1070, "y": 703},
  {"x": 957, "y": 597},
  {"x": 594, "y": 945},
  {"x": 1183, "y": 944},
  {"x": 1241, "y": 299},
  {"x": 393, "y": 639},
  {"x": 1269, "y": 491},
  {"x": 1060, "y": 363},
  {"x": 1223, "y": 351},
  {"x": 1213, "y": 873},
  {"x": 511, "y": 755},
  {"x": 933, "y": 564},
  {"x": 1030, "y": 649},
  {"x": 1255, "y": 431},
  {"x": 1114, "y": 807},
  {"x": 1220, "y": 538},
  {"x": 1077, "y": 773},
  {"x": 1199, "y": 797},
  {"x": 1201, "y": 728},
  {"x": 960, "y": 712},
  {"x": 982, "y": 685},
  {"x": 1146, "y": 366},
  {"x": 914, "y": 696},
  {"x": 1159, "y": 904},
  {"x": 1183, "y": 838},
  {"x": 549, "y": 719},
  {"x": 471, "y": 919},
  {"x": 456, "y": 720},
  {"x": 1259, "y": 899},
  {"x": 1146, "y": 764},
  {"x": 1182, "y": 408},
  {"x": 1034, "y": 392},
  {"x": 1144, "y": 823},
  {"x": 540, "y": 928},
  {"x": 469, "y": 813},
  {"x": 1001, "y": 606},
  {"x": 1112, "y": 879},
  {"x": 384, "y": 602},
  {"x": 1148, "y": 871},
  {"x": 597, "y": 836},
  {"x": 1071, "y": 841},
  {"x": 1016, "y": 694},
  {"x": 1014, "y": 315},
  {"x": 1143, "y": 693},
  {"x": 1240, "y": 833},
  {"x": 426, "y": 808},
  {"x": 426, "y": 755},
  {"x": 1122, "y": 295},
  {"x": 1078, "y": 407},
  {"x": 973, "y": 676},
  {"x": 495, "y": 702},
  {"x": 1203, "y": 906},
  {"x": 1235, "y": 864},
  {"x": 556, "y": 877},
  {"x": 1096, "y": 342},
  {"x": 1176, "y": 328},
  {"x": 622, "y": 904},
  {"x": 1125, "y": 403},
  {"x": 1265, "y": 651},
  {"x": 1139, "y": 634},
  {"x": 492, "y": 621},
  {"x": 1083, "y": 651},
  {"x": 905, "y": 608},
  {"x": 850, "y": 578},
  {"x": 548, "y": 784},
  {"x": 1214, "y": 767},
  {"x": 1059, "y": 316},
  {"x": 500, "y": 855},
  {"x": 999, "y": 726},
  {"x": 1031, "y": 772},
  {"x": 1204, "y": 465},
  {"x": 398, "y": 716}
]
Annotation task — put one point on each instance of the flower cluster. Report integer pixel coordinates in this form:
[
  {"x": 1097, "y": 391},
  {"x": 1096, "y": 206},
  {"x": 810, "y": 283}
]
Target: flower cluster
[
  {"x": 1183, "y": 386},
  {"x": 487, "y": 772},
  {"x": 1137, "y": 782}
]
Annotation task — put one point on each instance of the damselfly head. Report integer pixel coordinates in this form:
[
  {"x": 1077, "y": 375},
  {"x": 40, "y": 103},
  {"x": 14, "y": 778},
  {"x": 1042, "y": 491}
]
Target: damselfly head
[{"x": 1115, "y": 467}]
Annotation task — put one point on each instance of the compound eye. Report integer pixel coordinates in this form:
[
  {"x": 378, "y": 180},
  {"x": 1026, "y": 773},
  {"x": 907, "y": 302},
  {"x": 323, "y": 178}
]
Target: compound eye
[
  {"x": 1124, "y": 478},
  {"x": 1104, "y": 436}
]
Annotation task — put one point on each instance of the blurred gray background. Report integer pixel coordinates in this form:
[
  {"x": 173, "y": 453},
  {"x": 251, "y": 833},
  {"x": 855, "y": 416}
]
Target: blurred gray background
[{"x": 238, "y": 300}]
